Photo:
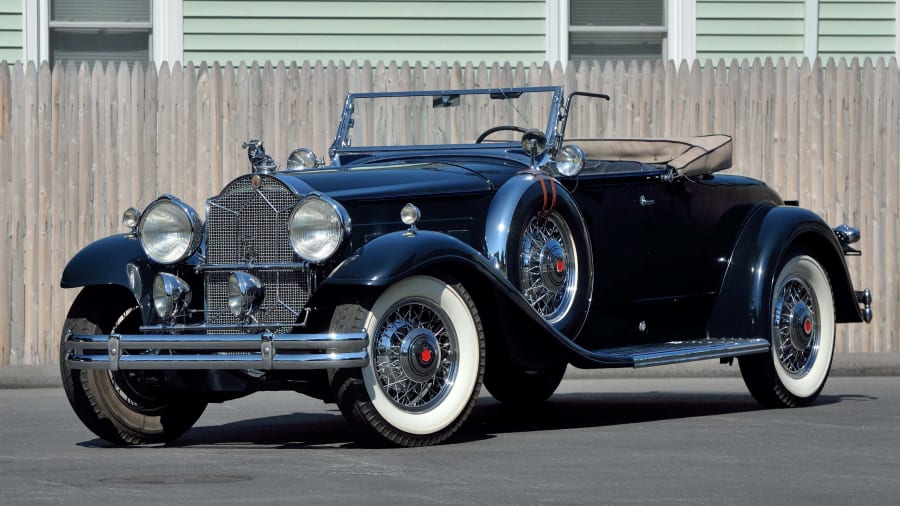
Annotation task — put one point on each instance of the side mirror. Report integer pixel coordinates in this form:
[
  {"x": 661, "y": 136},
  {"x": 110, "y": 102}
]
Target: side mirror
[{"x": 534, "y": 142}]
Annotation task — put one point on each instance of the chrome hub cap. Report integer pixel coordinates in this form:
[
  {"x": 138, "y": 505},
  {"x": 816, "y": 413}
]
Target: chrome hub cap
[
  {"x": 420, "y": 354},
  {"x": 548, "y": 272},
  {"x": 552, "y": 263},
  {"x": 414, "y": 355},
  {"x": 795, "y": 327}
]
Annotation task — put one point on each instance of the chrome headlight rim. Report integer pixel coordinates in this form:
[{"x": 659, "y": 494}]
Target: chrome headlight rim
[
  {"x": 570, "y": 160},
  {"x": 339, "y": 214},
  {"x": 193, "y": 231}
]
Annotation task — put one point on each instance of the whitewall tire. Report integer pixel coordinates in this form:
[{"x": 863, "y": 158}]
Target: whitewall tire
[
  {"x": 426, "y": 362},
  {"x": 802, "y": 322}
]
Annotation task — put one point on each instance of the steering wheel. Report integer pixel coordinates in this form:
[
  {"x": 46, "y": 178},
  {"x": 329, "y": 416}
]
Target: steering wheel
[{"x": 499, "y": 128}]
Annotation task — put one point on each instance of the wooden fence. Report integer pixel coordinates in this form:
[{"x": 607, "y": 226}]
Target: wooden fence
[{"x": 80, "y": 144}]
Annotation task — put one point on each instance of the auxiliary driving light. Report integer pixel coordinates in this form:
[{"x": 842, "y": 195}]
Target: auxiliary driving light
[
  {"x": 171, "y": 295},
  {"x": 245, "y": 294}
]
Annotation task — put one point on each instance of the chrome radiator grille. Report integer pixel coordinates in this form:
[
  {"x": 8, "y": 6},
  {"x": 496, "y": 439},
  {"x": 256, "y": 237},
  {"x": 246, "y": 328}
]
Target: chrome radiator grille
[
  {"x": 287, "y": 293},
  {"x": 248, "y": 225}
]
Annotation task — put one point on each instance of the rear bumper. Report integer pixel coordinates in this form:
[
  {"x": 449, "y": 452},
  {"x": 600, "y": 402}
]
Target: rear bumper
[{"x": 265, "y": 350}]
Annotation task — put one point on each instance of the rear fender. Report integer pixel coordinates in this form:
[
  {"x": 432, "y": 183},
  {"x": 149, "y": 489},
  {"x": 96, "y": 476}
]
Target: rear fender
[
  {"x": 114, "y": 260},
  {"x": 770, "y": 233}
]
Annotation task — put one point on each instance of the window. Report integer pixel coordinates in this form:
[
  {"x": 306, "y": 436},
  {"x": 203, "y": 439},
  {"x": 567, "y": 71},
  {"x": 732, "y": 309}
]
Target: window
[
  {"x": 604, "y": 30},
  {"x": 617, "y": 30},
  {"x": 104, "y": 30}
]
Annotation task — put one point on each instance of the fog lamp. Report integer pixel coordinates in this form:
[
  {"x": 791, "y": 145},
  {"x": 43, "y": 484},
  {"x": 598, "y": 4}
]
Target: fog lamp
[
  {"x": 171, "y": 295},
  {"x": 245, "y": 294}
]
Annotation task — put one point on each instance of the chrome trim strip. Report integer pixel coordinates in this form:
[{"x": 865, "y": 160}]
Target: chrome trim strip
[
  {"x": 249, "y": 266},
  {"x": 266, "y": 350},
  {"x": 204, "y": 327},
  {"x": 178, "y": 342},
  {"x": 249, "y": 361}
]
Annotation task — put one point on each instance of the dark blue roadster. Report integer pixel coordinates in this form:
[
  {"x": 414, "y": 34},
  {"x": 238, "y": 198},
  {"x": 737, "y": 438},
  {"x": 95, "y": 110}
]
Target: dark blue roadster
[{"x": 454, "y": 240}]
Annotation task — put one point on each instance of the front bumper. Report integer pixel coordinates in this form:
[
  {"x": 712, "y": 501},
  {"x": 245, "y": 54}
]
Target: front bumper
[{"x": 265, "y": 350}]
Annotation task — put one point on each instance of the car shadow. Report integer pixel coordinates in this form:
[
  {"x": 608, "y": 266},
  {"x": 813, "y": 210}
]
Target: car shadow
[{"x": 489, "y": 419}]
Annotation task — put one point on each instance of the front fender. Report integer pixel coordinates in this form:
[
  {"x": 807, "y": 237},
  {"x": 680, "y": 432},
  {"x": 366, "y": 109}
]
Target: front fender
[
  {"x": 114, "y": 260},
  {"x": 770, "y": 233},
  {"x": 392, "y": 257}
]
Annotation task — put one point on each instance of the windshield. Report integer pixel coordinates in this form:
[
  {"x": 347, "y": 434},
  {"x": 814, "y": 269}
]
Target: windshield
[{"x": 440, "y": 118}]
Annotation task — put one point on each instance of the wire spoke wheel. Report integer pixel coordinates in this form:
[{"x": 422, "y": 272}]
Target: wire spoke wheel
[
  {"x": 802, "y": 322},
  {"x": 548, "y": 271},
  {"x": 415, "y": 355},
  {"x": 427, "y": 363},
  {"x": 795, "y": 326}
]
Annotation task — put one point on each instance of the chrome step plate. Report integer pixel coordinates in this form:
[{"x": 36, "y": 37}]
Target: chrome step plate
[{"x": 675, "y": 352}]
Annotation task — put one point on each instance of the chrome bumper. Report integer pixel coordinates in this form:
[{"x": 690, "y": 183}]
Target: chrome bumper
[{"x": 265, "y": 350}]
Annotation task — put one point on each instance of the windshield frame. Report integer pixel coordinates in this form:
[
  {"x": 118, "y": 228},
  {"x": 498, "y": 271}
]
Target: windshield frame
[{"x": 338, "y": 147}]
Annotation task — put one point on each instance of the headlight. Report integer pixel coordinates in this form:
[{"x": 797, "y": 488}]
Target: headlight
[
  {"x": 570, "y": 160},
  {"x": 169, "y": 230},
  {"x": 317, "y": 227}
]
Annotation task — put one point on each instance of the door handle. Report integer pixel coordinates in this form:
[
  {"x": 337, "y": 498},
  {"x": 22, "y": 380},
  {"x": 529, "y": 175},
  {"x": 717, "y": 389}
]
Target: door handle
[{"x": 646, "y": 202}]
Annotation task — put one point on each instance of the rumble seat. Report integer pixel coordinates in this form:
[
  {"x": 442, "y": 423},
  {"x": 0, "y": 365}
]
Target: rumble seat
[{"x": 689, "y": 156}]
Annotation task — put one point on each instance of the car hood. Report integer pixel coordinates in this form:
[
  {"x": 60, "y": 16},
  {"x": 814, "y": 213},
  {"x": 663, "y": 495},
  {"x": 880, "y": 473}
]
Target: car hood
[{"x": 394, "y": 180}]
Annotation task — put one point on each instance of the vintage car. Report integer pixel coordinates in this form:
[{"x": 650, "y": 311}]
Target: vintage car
[{"x": 456, "y": 239}]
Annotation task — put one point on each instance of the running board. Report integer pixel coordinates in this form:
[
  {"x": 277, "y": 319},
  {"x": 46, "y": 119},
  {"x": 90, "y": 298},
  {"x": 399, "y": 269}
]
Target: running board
[{"x": 647, "y": 355}]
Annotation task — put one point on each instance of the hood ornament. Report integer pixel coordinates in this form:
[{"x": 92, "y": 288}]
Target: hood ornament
[{"x": 259, "y": 160}]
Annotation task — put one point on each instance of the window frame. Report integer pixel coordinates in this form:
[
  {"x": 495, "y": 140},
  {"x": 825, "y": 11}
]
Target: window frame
[
  {"x": 166, "y": 28},
  {"x": 679, "y": 40}
]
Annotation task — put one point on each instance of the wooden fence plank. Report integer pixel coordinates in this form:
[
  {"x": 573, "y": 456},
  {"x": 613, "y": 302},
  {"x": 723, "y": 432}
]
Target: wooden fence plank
[
  {"x": 16, "y": 295},
  {"x": 41, "y": 215},
  {"x": 201, "y": 152},
  {"x": 6, "y": 252},
  {"x": 150, "y": 136},
  {"x": 868, "y": 194},
  {"x": 891, "y": 168},
  {"x": 24, "y": 143}
]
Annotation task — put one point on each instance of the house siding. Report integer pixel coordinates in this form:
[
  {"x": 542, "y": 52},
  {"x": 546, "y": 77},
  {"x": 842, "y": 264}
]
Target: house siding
[
  {"x": 296, "y": 31},
  {"x": 861, "y": 29},
  {"x": 736, "y": 29},
  {"x": 11, "y": 30}
]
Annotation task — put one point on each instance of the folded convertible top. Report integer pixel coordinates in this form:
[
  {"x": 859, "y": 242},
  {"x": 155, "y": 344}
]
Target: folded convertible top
[{"x": 689, "y": 156}]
